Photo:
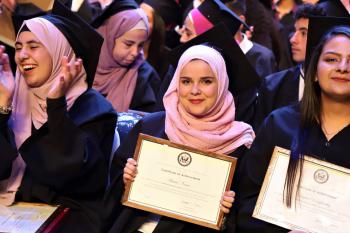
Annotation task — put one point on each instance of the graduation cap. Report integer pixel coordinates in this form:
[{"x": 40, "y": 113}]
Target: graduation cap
[
  {"x": 26, "y": 9},
  {"x": 237, "y": 6},
  {"x": 216, "y": 11},
  {"x": 318, "y": 26},
  {"x": 241, "y": 73},
  {"x": 169, "y": 10},
  {"x": 112, "y": 9},
  {"x": 85, "y": 41},
  {"x": 334, "y": 8}
]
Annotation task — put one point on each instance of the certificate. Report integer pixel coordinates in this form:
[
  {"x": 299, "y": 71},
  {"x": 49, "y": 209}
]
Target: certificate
[
  {"x": 179, "y": 181},
  {"x": 322, "y": 204},
  {"x": 27, "y": 217}
]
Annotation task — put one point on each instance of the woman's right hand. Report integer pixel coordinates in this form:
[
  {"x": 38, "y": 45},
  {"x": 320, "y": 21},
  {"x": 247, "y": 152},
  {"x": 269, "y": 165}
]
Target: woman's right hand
[
  {"x": 130, "y": 171},
  {"x": 7, "y": 81}
]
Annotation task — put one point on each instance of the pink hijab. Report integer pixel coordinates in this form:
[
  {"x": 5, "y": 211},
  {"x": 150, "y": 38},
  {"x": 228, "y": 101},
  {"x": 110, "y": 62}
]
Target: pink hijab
[
  {"x": 217, "y": 131},
  {"x": 111, "y": 79},
  {"x": 29, "y": 104}
]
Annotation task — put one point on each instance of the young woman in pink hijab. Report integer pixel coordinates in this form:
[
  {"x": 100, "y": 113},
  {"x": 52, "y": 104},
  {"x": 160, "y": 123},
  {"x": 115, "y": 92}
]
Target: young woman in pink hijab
[
  {"x": 199, "y": 112},
  {"x": 123, "y": 76},
  {"x": 55, "y": 131}
]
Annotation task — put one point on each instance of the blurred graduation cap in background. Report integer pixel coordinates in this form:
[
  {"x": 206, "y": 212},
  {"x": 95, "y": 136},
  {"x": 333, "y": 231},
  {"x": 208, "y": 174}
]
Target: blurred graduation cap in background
[
  {"x": 333, "y": 8},
  {"x": 318, "y": 26},
  {"x": 169, "y": 10},
  {"x": 237, "y": 6},
  {"x": 85, "y": 41},
  {"x": 216, "y": 12},
  {"x": 112, "y": 9}
]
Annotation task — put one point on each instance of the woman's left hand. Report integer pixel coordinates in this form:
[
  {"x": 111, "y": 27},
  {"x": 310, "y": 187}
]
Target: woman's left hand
[
  {"x": 226, "y": 201},
  {"x": 68, "y": 72}
]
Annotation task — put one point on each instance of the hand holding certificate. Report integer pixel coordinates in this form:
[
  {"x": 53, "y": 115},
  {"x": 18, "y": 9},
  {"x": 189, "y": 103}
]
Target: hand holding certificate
[
  {"x": 321, "y": 204},
  {"x": 180, "y": 182}
]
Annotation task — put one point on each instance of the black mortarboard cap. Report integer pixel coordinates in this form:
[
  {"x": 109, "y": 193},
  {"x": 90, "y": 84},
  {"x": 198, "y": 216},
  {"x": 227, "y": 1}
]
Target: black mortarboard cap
[
  {"x": 216, "y": 11},
  {"x": 169, "y": 10},
  {"x": 85, "y": 41},
  {"x": 334, "y": 8},
  {"x": 241, "y": 73},
  {"x": 318, "y": 26},
  {"x": 237, "y": 6},
  {"x": 112, "y": 9}
]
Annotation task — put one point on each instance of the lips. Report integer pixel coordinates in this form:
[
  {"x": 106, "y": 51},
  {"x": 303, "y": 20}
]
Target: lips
[
  {"x": 340, "y": 79},
  {"x": 294, "y": 50},
  {"x": 28, "y": 68},
  {"x": 196, "y": 101}
]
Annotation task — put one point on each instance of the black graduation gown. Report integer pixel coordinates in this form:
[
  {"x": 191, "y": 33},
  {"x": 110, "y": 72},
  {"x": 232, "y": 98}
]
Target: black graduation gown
[
  {"x": 278, "y": 130},
  {"x": 118, "y": 218},
  {"x": 277, "y": 90},
  {"x": 66, "y": 159},
  {"x": 146, "y": 90},
  {"x": 262, "y": 59}
]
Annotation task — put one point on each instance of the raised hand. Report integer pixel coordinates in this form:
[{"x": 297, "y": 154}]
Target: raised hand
[
  {"x": 226, "y": 201},
  {"x": 69, "y": 70},
  {"x": 7, "y": 81},
  {"x": 130, "y": 171}
]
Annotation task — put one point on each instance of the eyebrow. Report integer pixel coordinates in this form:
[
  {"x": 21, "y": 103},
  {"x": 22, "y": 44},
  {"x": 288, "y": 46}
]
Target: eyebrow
[
  {"x": 129, "y": 41},
  {"x": 28, "y": 42},
  {"x": 204, "y": 77},
  {"x": 334, "y": 53}
]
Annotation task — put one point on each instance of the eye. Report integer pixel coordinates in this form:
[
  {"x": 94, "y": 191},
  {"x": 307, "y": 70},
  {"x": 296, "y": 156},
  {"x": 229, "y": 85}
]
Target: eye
[
  {"x": 185, "y": 81},
  {"x": 207, "y": 81},
  {"x": 330, "y": 59},
  {"x": 18, "y": 48},
  {"x": 128, "y": 44},
  {"x": 188, "y": 33}
]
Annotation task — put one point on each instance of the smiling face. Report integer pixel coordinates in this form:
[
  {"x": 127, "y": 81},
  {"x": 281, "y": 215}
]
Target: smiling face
[
  {"x": 198, "y": 88},
  {"x": 333, "y": 69},
  {"x": 128, "y": 46},
  {"x": 33, "y": 59}
]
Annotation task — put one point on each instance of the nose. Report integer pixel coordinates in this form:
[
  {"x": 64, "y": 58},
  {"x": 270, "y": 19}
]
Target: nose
[
  {"x": 195, "y": 89},
  {"x": 135, "y": 50},
  {"x": 23, "y": 54},
  {"x": 293, "y": 38},
  {"x": 344, "y": 66}
]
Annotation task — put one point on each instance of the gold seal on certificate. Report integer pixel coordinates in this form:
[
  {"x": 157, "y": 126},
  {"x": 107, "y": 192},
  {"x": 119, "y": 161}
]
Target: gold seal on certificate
[
  {"x": 180, "y": 182},
  {"x": 322, "y": 204}
]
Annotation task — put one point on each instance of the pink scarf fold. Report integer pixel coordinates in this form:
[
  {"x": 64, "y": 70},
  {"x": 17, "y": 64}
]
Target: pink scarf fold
[
  {"x": 29, "y": 104},
  {"x": 217, "y": 131},
  {"x": 113, "y": 80}
]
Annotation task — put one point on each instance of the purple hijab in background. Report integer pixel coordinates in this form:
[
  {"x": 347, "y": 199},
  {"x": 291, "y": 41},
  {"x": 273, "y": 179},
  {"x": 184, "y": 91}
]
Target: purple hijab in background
[{"x": 113, "y": 80}]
